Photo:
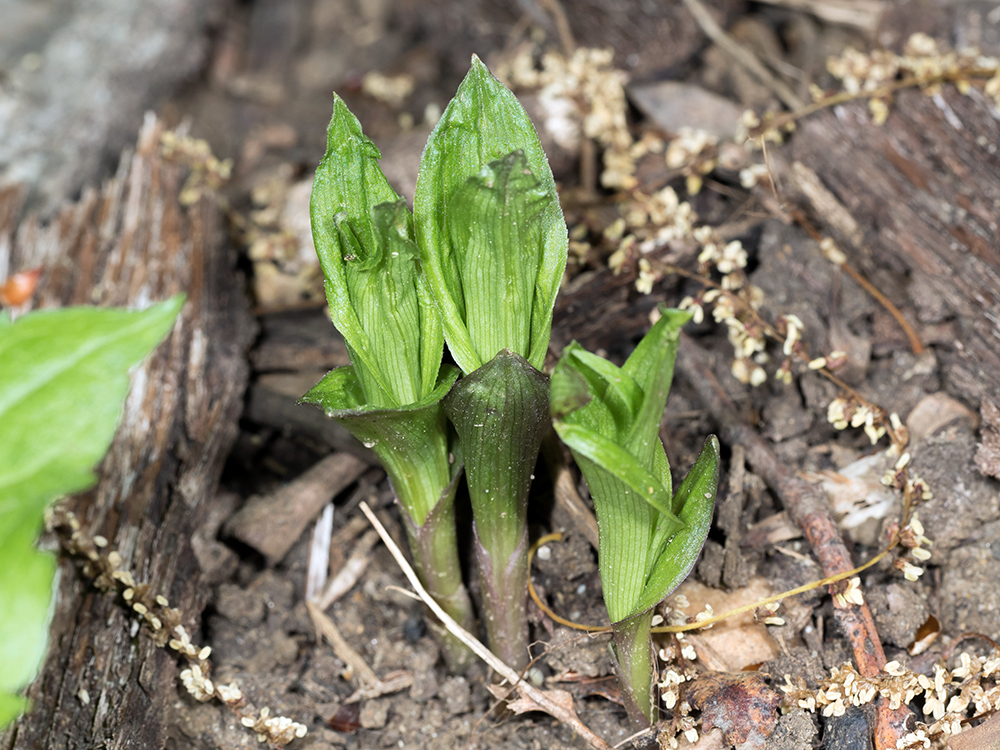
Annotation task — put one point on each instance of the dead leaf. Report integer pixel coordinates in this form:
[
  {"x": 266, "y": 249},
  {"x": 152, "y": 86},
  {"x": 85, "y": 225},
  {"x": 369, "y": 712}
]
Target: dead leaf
[
  {"x": 935, "y": 411},
  {"x": 738, "y": 640},
  {"x": 741, "y": 705},
  {"x": 561, "y": 698}
]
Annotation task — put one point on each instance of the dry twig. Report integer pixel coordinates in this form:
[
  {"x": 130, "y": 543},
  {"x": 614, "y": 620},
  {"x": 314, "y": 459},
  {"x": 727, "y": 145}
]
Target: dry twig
[
  {"x": 743, "y": 56},
  {"x": 556, "y": 703}
]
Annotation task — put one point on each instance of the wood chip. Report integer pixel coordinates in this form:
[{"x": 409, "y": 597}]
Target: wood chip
[{"x": 272, "y": 523}]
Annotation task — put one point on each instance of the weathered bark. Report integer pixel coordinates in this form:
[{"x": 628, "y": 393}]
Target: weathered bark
[
  {"x": 924, "y": 190},
  {"x": 129, "y": 244}
]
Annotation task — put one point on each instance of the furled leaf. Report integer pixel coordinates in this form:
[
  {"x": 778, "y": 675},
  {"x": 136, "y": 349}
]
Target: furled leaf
[
  {"x": 495, "y": 231},
  {"x": 694, "y": 502},
  {"x": 500, "y": 413},
  {"x": 457, "y": 200},
  {"x": 63, "y": 379},
  {"x": 410, "y": 441},
  {"x": 378, "y": 299}
]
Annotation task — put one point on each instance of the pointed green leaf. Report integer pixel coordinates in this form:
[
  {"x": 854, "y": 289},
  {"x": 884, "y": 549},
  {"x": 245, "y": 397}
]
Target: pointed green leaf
[
  {"x": 651, "y": 365},
  {"x": 483, "y": 123},
  {"x": 695, "y": 500},
  {"x": 568, "y": 390},
  {"x": 63, "y": 379},
  {"x": 614, "y": 391},
  {"x": 364, "y": 238},
  {"x": 620, "y": 464}
]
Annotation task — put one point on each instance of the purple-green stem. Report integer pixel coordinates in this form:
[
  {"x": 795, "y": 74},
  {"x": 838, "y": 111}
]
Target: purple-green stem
[
  {"x": 435, "y": 557},
  {"x": 500, "y": 412},
  {"x": 505, "y": 598},
  {"x": 632, "y": 653}
]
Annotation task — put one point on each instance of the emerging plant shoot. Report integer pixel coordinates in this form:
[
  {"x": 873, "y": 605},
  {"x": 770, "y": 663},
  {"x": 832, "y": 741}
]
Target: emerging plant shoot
[
  {"x": 650, "y": 537},
  {"x": 493, "y": 242},
  {"x": 390, "y": 396}
]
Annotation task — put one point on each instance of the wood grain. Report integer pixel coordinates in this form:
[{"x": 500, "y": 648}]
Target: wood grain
[{"x": 131, "y": 243}]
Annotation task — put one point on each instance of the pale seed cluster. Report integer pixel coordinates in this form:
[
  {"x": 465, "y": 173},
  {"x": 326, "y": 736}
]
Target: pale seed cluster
[
  {"x": 582, "y": 96},
  {"x": 847, "y": 411},
  {"x": 279, "y": 730},
  {"x": 912, "y": 539},
  {"x": 695, "y": 153},
  {"x": 208, "y": 173},
  {"x": 969, "y": 691},
  {"x": 923, "y": 59},
  {"x": 850, "y": 595},
  {"x": 160, "y": 620}
]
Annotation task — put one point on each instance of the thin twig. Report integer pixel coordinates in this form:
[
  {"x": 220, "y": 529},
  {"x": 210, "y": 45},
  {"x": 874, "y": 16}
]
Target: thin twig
[
  {"x": 971, "y": 75},
  {"x": 742, "y": 55},
  {"x": 915, "y": 344},
  {"x": 694, "y": 624},
  {"x": 540, "y": 697},
  {"x": 558, "y": 13},
  {"x": 349, "y": 574},
  {"x": 329, "y": 630}
]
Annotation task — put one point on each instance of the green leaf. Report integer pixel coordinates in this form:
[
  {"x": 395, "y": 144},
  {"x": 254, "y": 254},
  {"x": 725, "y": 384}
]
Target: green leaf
[
  {"x": 695, "y": 503},
  {"x": 622, "y": 465},
  {"x": 500, "y": 412},
  {"x": 410, "y": 441},
  {"x": 11, "y": 706},
  {"x": 378, "y": 300},
  {"x": 483, "y": 125},
  {"x": 651, "y": 365},
  {"x": 495, "y": 232},
  {"x": 616, "y": 396},
  {"x": 613, "y": 432},
  {"x": 63, "y": 379}
]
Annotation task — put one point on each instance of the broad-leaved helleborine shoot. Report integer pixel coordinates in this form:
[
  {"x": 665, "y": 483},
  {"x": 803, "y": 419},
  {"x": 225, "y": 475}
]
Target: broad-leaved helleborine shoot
[
  {"x": 649, "y": 536},
  {"x": 493, "y": 242},
  {"x": 489, "y": 225},
  {"x": 390, "y": 395}
]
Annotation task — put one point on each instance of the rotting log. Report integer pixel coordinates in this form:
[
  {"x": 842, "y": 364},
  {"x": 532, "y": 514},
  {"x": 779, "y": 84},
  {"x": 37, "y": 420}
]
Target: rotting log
[
  {"x": 129, "y": 244},
  {"x": 924, "y": 190}
]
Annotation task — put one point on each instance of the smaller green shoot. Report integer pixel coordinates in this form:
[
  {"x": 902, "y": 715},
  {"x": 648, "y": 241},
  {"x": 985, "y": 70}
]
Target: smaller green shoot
[{"x": 650, "y": 537}]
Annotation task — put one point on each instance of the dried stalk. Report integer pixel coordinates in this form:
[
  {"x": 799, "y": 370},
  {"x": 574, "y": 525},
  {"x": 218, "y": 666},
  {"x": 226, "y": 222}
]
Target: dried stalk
[{"x": 551, "y": 702}]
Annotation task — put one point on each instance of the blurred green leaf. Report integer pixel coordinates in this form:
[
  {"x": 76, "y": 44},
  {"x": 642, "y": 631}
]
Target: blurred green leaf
[
  {"x": 63, "y": 379},
  {"x": 473, "y": 188}
]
